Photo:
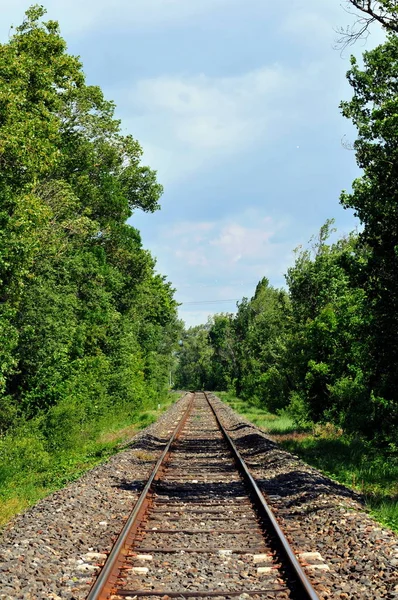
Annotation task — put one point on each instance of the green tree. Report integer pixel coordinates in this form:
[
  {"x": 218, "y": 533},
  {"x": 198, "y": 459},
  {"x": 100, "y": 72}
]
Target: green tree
[
  {"x": 224, "y": 362},
  {"x": 328, "y": 342},
  {"x": 195, "y": 359},
  {"x": 261, "y": 326},
  {"x": 373, "y": 110},
  {"x": 86, "y": 324}
]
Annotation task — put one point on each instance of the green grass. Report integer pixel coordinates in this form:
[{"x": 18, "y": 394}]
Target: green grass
[
  {"x": 273, "y": 424},
  {"x": 348, "y": 460},
  {"x": 29, "y": 471},
  {"x": 355, "y": 463}
]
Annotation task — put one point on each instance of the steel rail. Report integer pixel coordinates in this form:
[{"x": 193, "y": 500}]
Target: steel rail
[
  {"x": 306, "y": 587},
  {"x": 196, "y": 594},
  {"x": 102, "y": 586}
]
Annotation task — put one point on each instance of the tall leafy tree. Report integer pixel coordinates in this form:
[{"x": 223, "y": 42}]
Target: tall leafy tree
[
  {"x": 85, "y": 322},
  {"x": 261, "y": 326},
  {"x": 225, "y": 366},
  {"x": 328, "y": 341},
  {"x": 373, "y": 109},
  {"x": 195, "y": 359}
]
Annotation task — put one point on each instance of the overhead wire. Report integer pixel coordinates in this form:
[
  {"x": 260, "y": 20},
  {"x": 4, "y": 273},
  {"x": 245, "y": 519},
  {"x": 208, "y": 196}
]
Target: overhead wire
[{"x": 211, "y": 301}]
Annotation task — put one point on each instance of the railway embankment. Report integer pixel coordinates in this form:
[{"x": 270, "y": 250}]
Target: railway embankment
[
  {"x": 56, "y": 548},
  {"x": 369, "y": 469}
]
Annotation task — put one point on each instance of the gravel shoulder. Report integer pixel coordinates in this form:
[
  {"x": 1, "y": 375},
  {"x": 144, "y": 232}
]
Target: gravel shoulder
[
  {"x": 54, "y": 549},
  {"x": 355, "y": 558}
]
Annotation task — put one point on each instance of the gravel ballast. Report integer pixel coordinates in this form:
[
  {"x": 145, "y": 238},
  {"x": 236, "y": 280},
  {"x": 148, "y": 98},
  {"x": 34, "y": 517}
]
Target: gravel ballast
[
  {"x": 54, "y": 549},
  {"x": 359, "y": 558}
]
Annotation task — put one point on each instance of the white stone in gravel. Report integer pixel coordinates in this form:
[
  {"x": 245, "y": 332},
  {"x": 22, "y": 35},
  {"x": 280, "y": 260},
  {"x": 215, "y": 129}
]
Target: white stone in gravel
[
  {"x": 89, "y": 556},
  {"x": 225, "y": 552},
  {"x": 322, "y": 567},
  {"x": 144, "y": 557},
  {"x": 262, "y": 558},
  {"x": 310, "y": 556},
  {"x": 85, "y": 568},
  {"x": 103, "y": 523},
  {"x": 264, "y": 570},
  {"x": 140, "y": 570}
]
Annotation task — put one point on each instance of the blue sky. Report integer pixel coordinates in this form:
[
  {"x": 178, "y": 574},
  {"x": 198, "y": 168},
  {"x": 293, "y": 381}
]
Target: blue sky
[{"x": 235, "y": 103}]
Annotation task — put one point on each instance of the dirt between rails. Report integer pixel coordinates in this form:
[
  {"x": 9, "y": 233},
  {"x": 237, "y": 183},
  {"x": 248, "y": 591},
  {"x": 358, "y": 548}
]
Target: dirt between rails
[{"x": 54, "y": 549}]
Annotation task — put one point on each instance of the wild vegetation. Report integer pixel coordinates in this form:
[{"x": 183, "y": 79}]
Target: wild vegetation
[
  {"x": 325, "y": 350},
  {"x": 351, "y": 460},
  {"x": 87, "y": 327},
  {"x": 89, "y": 330},
  {"x": 327, "y": 347}
]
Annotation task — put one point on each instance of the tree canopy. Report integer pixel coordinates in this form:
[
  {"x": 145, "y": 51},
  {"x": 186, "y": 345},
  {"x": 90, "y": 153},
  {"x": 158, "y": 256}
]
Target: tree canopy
[
  {"x": 368, "y": 12},
  {"x": 327, "y": 349},
  {"x": 87, "y": 326}
]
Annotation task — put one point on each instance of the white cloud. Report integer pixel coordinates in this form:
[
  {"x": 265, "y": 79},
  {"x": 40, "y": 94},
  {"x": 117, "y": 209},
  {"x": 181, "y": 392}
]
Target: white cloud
[
  {"x": 76, "y": 16},
  {"x": 190, "y": 228},
  {"x": 308, "y": 26},
  {"x": 222, "y": 259},
  {"x": 211, "y": 115},
  {"x": 187, "y": 122},
  {"x": 313, "y": 22},
  {"x": 191, "y": 258},
  {"x": 237, "y": 242},
  {"x": 215, "y": 113}
]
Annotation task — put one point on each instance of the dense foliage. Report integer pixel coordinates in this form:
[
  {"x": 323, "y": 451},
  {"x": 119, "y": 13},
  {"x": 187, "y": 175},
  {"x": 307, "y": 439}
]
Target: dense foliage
[
  {"x": 309, "y": 350},
  {"x": 328, "y": 348},
  {"x": 87, "y": 328}
]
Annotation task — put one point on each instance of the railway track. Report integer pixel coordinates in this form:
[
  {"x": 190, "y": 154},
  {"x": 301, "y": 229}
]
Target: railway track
[{"x": 201, "y": 528}]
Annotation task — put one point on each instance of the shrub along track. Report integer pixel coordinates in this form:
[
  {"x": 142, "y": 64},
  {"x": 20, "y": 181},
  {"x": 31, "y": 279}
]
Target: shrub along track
[{"x": 53, "y": 550}]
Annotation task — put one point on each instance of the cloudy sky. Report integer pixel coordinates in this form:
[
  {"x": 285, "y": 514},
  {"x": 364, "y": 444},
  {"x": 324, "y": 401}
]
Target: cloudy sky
[{"x": 235, "y": 103}]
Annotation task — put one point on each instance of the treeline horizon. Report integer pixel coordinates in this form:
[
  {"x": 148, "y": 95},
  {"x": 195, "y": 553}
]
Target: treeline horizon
[{"x": 326, "y": 349}]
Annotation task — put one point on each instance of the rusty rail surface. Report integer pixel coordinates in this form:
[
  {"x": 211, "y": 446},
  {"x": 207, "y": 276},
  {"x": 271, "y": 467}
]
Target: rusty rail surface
[
  {"x": 106, "y": 579},
  {"x": 263, "y": 507},
  {"x": 104, "y": 585}
]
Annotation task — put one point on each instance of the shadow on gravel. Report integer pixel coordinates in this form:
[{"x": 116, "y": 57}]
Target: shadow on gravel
[
  {"x": 241, "y": 426},
  {"x": 254, "y": 442},
  {"x": 204, "y": 466},
  {"x": 199, "y": 492},
  {"x": 131, "y": 486},
  {"x": 297, "y": 487},
  {"x": 147, "y": 442},
  {"x": 303, "y": 485}
]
